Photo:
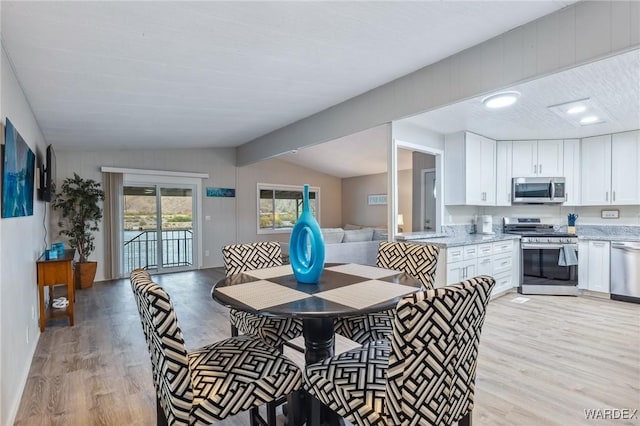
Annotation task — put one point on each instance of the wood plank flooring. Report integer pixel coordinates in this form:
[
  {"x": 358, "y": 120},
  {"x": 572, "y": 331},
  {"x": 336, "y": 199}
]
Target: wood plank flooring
[{"x": 541, "y": 363}]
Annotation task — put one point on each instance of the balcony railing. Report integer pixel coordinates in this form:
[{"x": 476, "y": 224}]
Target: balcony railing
[{"x": 141, "y": 249}]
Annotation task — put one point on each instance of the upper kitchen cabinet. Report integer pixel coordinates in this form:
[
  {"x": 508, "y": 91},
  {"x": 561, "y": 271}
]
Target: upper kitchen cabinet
[
  {"x": 610, "y": 169},
  {"x": 571, "y": 167},
  {"x": 541, "y": 158},
  {"x": 504, "y": 158},
  {"x": 470, "y": 170}
]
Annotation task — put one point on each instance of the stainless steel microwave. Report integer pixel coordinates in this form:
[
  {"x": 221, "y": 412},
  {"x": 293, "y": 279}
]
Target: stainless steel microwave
[{"x": 538, "y": 190}]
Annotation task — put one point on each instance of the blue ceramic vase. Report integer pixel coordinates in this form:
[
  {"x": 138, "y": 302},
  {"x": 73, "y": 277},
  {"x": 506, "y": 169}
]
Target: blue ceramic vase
[{"x": 306, "y": 246}]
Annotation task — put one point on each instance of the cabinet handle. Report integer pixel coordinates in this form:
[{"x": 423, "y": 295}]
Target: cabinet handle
[
  {"x": 614, "y": 195},
  {"x": 606, "y": 196},
  {"x": 535, "y": 169},
  {"x": 540, "y": 168}
]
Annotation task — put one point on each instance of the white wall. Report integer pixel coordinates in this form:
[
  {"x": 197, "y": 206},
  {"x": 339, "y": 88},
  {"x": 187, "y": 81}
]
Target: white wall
[
  {"x": 280, "y": 172},
  {"x": 21, "y": 244}
]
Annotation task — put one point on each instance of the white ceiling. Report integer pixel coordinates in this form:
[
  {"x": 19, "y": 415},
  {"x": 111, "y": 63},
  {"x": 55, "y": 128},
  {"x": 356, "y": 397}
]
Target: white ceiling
[
  {"x": 614, "y": 83},
  {"x": 117, "y": 75}
]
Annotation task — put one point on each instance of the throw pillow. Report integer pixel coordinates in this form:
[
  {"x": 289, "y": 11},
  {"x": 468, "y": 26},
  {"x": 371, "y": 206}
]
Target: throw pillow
[
  {"x": 350, "y": 227},
  {"x": 332, "y": 235}
]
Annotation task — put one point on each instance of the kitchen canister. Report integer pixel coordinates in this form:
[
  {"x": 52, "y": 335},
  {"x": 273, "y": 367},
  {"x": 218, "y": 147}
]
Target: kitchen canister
[{"x": 306, "y": 245}]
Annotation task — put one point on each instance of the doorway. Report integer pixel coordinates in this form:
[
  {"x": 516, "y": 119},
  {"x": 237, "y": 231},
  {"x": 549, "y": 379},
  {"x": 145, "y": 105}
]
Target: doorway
[
  {"x": 429, "y": 195},
  {"x": 158, "y": 224}
]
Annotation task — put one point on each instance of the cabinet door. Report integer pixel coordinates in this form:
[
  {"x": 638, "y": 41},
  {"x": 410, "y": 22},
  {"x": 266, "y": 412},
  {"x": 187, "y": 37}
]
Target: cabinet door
[
  {"x": 595, "y": 168},
  {"x": 550, "y": 154},
  {"x": 583, "y": 264},
  {"x": 480, "y": 153},
  {"x": 525, "y": 159},
  {"x": 503, "y": 172},
  {"x": 625, "y": 160},
  {"x": 598, "y": 268},
  {"x": 571, "y": 160},
  {"x": 455, "y": 272}
]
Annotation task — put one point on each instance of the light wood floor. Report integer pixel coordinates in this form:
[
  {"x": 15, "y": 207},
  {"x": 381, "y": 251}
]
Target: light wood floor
[{"x": 541, "y": 363}]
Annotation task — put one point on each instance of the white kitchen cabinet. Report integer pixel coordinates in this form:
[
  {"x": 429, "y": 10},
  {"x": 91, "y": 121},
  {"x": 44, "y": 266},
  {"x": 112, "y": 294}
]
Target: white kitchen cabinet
[
  {"x": 539, "y": 158},
  {"x": 625, "y": 173},
  {"x": 504, "y": 159},
  {"x": 610, "y": 174},
  {"x": 598, "y": 266},
  {"x": 571, "y": 160},
  {"x": 595, "y": 167},
  {"x": 470, "y": 170},
  {"x": 583, "y": 264},
  {"x": 495, "y": 259}
]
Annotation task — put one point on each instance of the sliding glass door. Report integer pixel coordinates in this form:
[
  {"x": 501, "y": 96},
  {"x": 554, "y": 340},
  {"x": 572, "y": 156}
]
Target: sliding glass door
[{"x": 158, "y": 227}]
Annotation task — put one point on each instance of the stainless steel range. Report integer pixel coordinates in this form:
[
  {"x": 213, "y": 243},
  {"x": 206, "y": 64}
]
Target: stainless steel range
[{"x": 549, "y": 258}]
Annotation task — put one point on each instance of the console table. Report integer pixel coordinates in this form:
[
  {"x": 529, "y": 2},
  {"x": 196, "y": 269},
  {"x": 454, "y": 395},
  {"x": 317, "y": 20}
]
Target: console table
[{"x": 55, "y": 272}]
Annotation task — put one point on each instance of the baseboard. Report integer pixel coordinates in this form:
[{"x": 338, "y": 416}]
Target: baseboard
[
  {"x": 13, "y": 411},
  {"x": 503, "y": 293}
]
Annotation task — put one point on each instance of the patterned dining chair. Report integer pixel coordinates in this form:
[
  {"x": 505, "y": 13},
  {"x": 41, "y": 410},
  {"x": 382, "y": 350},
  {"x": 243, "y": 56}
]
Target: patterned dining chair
[
  {"x": 245, "y": 257},
  {"x": 214, "y": 382},
  {"x": 417, "y": 260},
  {"x": 424, "y": 376}
]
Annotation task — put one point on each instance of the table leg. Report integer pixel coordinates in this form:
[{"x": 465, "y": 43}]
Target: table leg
[{"x": 319, "y": 338}]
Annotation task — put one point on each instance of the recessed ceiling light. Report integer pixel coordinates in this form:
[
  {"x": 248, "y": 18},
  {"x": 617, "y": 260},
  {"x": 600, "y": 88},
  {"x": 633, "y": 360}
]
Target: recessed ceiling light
[
  {"x": 576, "y": 109},
  {"x": 501, "y": 100},
  {"x": 590, "y": 119},
  {"x": 581, "y": 112}
]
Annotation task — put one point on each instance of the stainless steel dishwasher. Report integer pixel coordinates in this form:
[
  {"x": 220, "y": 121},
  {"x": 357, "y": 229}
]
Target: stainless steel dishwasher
[{"x": 625, "y": 271}]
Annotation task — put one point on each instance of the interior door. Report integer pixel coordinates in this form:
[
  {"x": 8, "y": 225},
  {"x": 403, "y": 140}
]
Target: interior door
[{"x": 158, "y": 227}]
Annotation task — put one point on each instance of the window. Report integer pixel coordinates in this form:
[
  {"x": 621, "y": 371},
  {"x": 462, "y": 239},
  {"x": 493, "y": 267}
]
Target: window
[{"x": 279, "y": 206}]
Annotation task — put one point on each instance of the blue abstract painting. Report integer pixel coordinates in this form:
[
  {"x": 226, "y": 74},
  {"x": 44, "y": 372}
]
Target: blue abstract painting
[
  {"x": 17, "y": 175},
  {"x": 221, "y": 192}
]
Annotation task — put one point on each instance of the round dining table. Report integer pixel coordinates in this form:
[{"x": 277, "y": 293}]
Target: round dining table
[{"x": 343, "y": 290}]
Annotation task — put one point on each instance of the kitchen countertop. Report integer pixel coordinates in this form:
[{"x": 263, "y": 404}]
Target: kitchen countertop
[
  {"x": 631, "y": 238},
  {"x": 463, "y": 240}
]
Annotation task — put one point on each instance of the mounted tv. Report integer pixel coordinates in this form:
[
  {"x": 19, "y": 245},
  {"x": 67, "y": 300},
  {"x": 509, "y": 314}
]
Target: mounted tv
[
  {"x": 17, "y": 174},
  {"x": 48, "y": 176}
]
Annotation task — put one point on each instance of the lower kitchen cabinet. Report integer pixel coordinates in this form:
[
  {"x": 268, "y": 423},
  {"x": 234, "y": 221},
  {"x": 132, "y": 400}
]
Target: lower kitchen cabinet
[
  {"x": 593, "y": 265},
  {"x": 463, "y": 262}
]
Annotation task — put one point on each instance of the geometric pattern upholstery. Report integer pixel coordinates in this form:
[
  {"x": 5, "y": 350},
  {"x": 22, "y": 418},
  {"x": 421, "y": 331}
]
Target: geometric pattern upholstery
[
  {"x": 425, "y": 375},
  {"x": 213, "y": 382},
  {"x": 245, "y": 257},
  {"x": 417, "y": 260}
]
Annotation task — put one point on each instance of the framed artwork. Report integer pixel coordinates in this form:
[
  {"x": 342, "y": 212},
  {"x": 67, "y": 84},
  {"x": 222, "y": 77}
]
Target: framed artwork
[
  {"x": 221, "y": 192},
  {"x": 377, "y": 199},
  {"x": 17, "y": 175}
]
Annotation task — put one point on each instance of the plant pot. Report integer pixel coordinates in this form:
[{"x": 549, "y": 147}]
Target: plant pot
[{"x": 85, "y": 273}]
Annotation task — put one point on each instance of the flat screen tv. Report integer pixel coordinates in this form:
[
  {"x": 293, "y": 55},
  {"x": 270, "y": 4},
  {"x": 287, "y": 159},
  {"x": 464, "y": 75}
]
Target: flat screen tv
[
  {"x": 48, "y": 176},
  {"x": 17, "y": 174}
]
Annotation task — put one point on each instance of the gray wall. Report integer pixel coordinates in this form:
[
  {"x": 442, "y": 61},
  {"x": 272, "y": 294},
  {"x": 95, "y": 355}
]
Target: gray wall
[{"x": 580, "y": 33}]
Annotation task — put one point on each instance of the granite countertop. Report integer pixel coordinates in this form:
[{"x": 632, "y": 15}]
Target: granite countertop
[
  {"x": 631, "y": 238},
  {"x": 463, "y": 240}
]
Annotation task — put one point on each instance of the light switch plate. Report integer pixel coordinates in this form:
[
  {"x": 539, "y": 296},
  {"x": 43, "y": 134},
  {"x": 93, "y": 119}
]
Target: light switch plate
[{"x": 610, "y": 214}]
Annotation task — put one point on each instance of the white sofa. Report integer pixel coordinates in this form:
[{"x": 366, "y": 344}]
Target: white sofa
[{"x": 350, "y": 244}]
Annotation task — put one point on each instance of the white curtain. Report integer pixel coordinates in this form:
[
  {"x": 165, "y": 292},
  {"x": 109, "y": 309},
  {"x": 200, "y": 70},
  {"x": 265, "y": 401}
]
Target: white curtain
[{"x": 113, "y": 224}]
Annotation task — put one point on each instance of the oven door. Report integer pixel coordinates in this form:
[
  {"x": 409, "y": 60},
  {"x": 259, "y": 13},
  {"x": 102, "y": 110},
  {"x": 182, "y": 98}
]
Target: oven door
[{"x": 541, "y": 273}]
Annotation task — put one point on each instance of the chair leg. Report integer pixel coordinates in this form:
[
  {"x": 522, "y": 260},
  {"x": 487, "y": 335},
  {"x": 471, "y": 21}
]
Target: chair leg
[
  {"x": 161, "y": 418},
  {"x": 316, "y": 408},
  {"x": 466, "y": 420},
  {"x": 253, "y": 416},
  {"x": 271, "y": 413},
  {"x": 234, "y": 331}
]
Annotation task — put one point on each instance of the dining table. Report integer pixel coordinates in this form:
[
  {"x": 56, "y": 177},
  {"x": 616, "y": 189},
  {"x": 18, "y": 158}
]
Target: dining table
[{"x": 343, "y": 290}]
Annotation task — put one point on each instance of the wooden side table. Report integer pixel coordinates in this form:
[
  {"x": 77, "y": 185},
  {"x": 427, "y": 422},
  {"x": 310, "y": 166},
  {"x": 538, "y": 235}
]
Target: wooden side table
[{"x": 51, "y": 273}]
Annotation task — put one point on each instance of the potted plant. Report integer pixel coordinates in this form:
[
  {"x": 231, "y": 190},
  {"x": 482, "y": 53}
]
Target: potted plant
[{"x": 78, "y": 201}]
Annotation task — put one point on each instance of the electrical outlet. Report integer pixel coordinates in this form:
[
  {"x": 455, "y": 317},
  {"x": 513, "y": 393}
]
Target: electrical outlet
[
  {"x": 33, "y": 312},
  {"x": 610, "y": 214},
  {"x": 206, "y": 253}
]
